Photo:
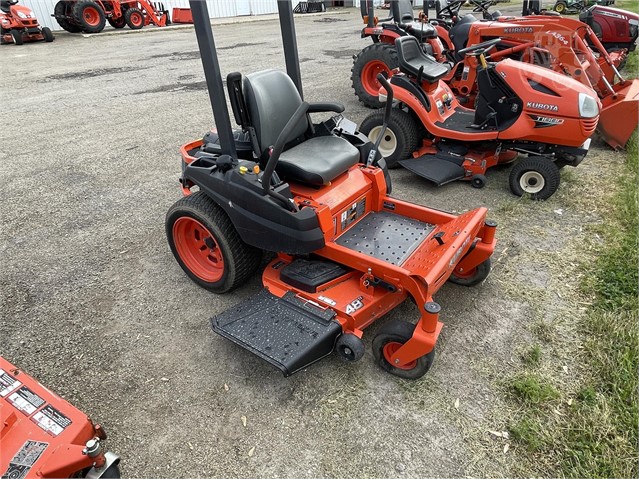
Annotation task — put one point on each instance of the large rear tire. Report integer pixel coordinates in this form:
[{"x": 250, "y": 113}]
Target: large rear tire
[
  {"x": 89, "y": 16},
  {"x": 207, "y": 246},
  {"x": 372, "y": 60},
  {"x": 536, "y": 176},
  {"x": 401, "y": 138},
  {"x": 62, "y": 12}
]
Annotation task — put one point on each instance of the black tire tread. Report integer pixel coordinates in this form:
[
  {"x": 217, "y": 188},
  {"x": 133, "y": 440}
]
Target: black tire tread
[
  {"x": 60, "y": 10},
  {"x": 127, "y": 18},
  {"x": 400, "y": 331},
  {"x": 245, "y": 258},
  {"x": 377, "y": 51},
  {"x": 548, "y": 169},
  {"x": 47, "y": 34},
  {"x": 481, "y": 273},
  {"x": 405, "y": 129},
  {"x": 17, "y": 37},
  {"x": 78, "y": 16}
]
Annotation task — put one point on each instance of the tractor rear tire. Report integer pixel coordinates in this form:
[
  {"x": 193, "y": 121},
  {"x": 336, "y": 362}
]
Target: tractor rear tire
[
  {"x": 401, "y": 138},
  {"x": 389, "y": 339},
  {"x": 207, "y": 246},
  {"x": 134, "y": 18},
  {"x": 63, "y": 9},
  {"x": 47, "y": 34},
  {"x": 89, "y": 16},
  {"x": 536, "y": 176},
  {"x": 17, "y": 37},
  {"x": 374, "y": 59},
  {"x": 117, "y": 23}
]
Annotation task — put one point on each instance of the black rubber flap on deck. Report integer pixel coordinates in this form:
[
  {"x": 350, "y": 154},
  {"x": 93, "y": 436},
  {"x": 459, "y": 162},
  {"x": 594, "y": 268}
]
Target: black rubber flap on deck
[
  {"x": 287, "y": 332},
  {"x": 437, "y": 170}
]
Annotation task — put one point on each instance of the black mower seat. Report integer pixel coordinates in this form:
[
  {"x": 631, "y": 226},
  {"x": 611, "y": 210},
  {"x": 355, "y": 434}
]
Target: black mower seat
[
  {"x": 412, "y": 59},
  {"x": 421, "y": 31},
  {"x": 272, "y": 99}
]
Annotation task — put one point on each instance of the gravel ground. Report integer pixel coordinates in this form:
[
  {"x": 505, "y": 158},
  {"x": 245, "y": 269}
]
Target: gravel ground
[{"x": 94, "y": 305}]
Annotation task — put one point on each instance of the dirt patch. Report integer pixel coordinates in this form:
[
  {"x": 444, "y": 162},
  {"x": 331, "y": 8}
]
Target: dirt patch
[
  {"x": 341, "y": 54},
  {"x": 330, "y": 20},
  {"x": 175, "y": 87},
  {"x": 240, "y": 45},
  {"x": 90, "y": 73}
]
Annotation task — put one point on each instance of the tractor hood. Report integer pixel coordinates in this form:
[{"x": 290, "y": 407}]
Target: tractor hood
[{"x": 616, "y": 13}]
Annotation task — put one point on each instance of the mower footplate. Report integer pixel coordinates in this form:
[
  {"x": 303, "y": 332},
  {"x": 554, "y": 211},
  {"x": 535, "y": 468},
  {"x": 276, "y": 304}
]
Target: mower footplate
[
  {"x": 438, "y": 170},
  {"x": 288, "y": 332},
  {"x": 386, "y": 236}
]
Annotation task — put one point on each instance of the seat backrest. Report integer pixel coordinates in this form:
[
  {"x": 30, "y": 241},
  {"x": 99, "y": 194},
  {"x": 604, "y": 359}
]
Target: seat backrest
[
  {"x": 272, "y": 99},
  {"x": 412, "y": 59},
  {"x": 402, "y": 11}
]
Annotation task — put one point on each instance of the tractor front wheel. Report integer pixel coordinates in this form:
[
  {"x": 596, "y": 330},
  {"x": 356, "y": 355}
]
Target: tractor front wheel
[
  {"x": 473, "y": 276},
  {"x": 401, "y": 138},
  {"x": 207, "y": 246},
  {"x": 371, "y": 61},
  {"x": 536, "y": 176},
  {"x": 89, "y": 16},
  {"x": 393, "y": 336},
  {"x": 17, "y": 37},
  {"x": 47, "y": 34},
  {"x": 134, "y": 18}
]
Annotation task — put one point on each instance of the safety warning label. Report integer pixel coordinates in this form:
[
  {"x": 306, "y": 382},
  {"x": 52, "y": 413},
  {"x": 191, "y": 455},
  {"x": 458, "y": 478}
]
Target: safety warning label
[
  {"x": 25, "y": 400},
  {"x": 24, "y": 460},
  {"x": 51, "y": 420},
  {"x": 7, "y": 383}
]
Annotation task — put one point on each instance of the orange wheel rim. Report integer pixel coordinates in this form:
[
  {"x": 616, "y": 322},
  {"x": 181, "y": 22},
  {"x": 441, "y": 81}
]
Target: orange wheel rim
[
  {"x": 390, "y": 349},
  {"x": 91, "y": 16},
  {"x": 136, "y": 19},
  {"x": 369, "y": 76},
  {"x": 198, "y": 249}
]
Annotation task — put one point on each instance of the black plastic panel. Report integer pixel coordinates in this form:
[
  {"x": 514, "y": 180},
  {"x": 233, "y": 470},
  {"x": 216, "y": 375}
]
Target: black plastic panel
[
  {"x": 286, "y": 332},
  {"x": 438, "y": 170}
]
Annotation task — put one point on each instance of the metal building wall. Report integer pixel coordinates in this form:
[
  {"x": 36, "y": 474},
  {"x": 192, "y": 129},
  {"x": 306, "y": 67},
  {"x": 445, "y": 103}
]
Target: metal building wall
[{"x": 217, "y": 8}]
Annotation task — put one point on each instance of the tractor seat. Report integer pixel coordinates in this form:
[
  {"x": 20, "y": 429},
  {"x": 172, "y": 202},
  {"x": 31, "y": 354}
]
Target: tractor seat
[
  {"x": 272, "y": 99},
  {"x": 421, "y": 31},
  {"x": 5, "y": 6},
  {"x": 461, "y": 30},
  {"x": 412, "y": 59}
]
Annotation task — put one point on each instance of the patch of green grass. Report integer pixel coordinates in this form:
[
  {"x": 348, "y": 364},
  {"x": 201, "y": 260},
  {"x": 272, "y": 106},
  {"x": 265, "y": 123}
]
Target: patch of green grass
[
  {"x": 595, "y": 435},
  {"x": 631, "y": 5},
  {"x": 532, "y": 356},
  {"x": 532, "y": 389}
]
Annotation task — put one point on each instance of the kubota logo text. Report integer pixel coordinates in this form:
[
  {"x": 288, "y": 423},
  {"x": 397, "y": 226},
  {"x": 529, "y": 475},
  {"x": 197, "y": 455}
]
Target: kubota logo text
[{"x": 541, "y": 106}]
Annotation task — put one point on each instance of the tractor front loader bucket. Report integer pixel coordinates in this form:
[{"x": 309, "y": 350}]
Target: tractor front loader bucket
[{"x": 620, "y": 114}]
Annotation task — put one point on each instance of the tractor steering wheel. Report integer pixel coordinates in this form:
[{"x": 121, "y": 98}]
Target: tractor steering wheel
[
  {"x": 481, "y": 6},
  {"x": 480, "y": 48},
  {"x": 452, "y": 9}
]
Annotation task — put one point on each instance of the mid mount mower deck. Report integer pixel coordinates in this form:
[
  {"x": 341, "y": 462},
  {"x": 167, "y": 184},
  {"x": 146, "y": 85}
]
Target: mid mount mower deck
[
  {"x": 318, "y": 196},
  {"x": 43, "y": 436}
]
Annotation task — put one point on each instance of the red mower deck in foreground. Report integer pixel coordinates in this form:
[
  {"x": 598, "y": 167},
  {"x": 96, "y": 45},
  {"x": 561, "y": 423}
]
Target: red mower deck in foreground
[
  {"x": 43, "y": 436},
  {"x": 318, "y": 196}
]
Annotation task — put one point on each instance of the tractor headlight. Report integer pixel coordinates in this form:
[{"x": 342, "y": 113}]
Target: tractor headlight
[
  {"x": 23, "y": 15},
  {"x": 588, "y": 107}
]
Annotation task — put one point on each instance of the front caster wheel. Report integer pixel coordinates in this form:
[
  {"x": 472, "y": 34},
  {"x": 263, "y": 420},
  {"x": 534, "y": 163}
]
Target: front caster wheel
[
  {"x": 478, "y": 181},
  {"x": 392, "y": 337},
  {"x": 207, "y": 246},
  {"x": 536, "y": 176},
  {"x": 473, "y": 276},
  {"x": 349, "y": 347}
]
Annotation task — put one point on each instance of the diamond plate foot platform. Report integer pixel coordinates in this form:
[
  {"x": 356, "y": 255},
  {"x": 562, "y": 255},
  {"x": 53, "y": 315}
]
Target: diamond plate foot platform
[
  {"x": 287, "y": 332},
  {"x": 386, "y": 236}
]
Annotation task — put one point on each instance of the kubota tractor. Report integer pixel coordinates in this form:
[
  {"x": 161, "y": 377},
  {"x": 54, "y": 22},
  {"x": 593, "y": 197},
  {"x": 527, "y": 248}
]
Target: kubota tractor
[{"x": 90, "y": 16}]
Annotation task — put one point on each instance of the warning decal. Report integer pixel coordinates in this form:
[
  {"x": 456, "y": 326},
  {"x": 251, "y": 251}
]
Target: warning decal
[
  {"x": 26, "y": 400},
  {"x": 24, "y": 459},
  {"x": 7, "y": 383},
  {"x": 51, "y": 420}
]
